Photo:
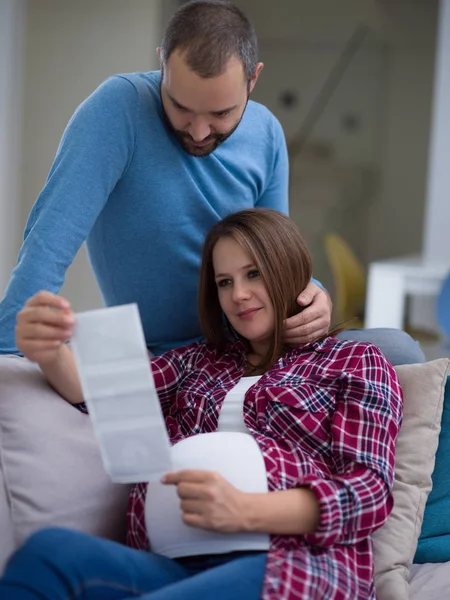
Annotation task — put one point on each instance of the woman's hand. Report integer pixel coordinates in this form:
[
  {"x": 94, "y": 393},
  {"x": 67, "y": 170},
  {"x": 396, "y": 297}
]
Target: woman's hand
[
  {"x": 208, "y": 501},
  {"x": 313, "y": 322},
  {"x": 43, "y": 326}
]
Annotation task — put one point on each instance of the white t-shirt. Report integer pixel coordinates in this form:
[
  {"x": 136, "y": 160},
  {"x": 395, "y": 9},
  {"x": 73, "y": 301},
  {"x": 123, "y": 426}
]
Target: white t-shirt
[{"x": 232, "y": 452}]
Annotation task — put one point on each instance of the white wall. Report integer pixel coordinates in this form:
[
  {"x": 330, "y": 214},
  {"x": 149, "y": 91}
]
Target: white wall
[
  {"x": 71, "y": 48},
  {"x": 11, "y": 65},
  {"x": 397, "y": 220},
  {"x": 437, "y": 238}
]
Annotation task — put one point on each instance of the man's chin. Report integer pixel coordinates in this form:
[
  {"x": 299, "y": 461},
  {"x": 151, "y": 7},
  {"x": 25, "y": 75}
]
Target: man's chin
[{"x": 199, "y": 151}]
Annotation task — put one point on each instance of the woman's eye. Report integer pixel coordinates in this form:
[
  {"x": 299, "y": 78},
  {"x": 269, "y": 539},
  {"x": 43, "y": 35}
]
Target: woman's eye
[
  {"x": 223, "y": 283},
  {"x": 253, "y": 273}
]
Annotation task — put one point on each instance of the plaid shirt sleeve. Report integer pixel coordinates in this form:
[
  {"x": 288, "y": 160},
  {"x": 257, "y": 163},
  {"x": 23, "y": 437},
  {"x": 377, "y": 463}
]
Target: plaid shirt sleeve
[
  {"x": 358, "y": 499},
  {"x": 168, "y": 370}
]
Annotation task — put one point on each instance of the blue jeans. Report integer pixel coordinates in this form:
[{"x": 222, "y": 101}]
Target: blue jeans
[{"x": 61, "y": 564}]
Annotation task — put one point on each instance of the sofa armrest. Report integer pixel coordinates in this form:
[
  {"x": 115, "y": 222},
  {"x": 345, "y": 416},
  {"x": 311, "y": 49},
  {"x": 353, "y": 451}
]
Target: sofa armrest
[
  {"x": 7, "y": 542},
  {"x": 51, "y": 467}
]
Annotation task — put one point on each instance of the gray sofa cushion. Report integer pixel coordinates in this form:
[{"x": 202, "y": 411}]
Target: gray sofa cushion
[{"x": 51, "y": 468}]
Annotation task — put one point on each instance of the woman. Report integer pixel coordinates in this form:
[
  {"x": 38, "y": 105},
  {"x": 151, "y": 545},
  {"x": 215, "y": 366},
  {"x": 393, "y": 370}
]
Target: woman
[{"x": 323, "y": 417}]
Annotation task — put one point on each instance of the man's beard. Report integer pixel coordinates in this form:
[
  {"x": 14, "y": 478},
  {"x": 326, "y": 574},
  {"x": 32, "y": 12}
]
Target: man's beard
[
  {"x": 214, "y": 140},
  {"x": 188, "y": 144}
]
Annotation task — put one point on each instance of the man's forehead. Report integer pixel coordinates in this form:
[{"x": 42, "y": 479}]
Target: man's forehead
[{"x": 201, "y": 94}]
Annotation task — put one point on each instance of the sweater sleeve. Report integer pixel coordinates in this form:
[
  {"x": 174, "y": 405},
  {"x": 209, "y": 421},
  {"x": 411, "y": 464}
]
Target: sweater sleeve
[
  {"x": 357, "y": 500},
  {"x": 275, "y": 195},
  {"x": 94, "y": 153}
]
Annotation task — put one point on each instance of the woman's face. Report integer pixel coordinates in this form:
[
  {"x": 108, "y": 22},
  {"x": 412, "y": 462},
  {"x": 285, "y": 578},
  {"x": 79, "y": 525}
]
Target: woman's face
[{"x": 243, "y": 295}]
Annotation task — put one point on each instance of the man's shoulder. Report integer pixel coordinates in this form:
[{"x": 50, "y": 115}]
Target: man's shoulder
[
  {"x": 256, "y": 110},
  {"x": 122, "y": 94},
  {"x": 140, "y": 82},
  {"x": 259, "y": 121}
]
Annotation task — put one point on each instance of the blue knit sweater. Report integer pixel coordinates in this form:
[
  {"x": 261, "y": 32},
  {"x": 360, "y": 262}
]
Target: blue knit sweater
[{"x": 122, "y": 182}]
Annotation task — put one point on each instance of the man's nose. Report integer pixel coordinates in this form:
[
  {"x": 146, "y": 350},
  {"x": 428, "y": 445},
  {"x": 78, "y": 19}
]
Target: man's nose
[{"x": 199, "y": 129}]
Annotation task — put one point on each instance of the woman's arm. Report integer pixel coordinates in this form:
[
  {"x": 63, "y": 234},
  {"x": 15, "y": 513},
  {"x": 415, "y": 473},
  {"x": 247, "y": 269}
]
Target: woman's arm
[
  {"x": 209, "y": 501},
  {"x": 357, "y": 498},
  {"x": 287, "y": 512},
  {"x": 43, "y": 327},
  {"x": 62, "y": 375}
]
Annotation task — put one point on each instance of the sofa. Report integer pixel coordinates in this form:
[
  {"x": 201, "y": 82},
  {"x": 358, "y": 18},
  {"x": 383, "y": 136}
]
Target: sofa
[{"x": 51, "y": 474}]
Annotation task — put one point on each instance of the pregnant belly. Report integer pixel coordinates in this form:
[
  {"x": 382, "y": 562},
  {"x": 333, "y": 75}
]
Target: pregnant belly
[{"x": 236, "y": 456}]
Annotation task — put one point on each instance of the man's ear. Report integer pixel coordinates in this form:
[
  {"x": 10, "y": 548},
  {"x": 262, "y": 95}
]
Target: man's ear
[
  {"x": 161, "y": 65},
  {"x": 254, "y": 79}
]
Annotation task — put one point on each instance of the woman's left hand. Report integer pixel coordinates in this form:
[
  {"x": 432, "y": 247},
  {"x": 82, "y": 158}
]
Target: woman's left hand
[
  {"x": 208, "y": 501},
  {"x": 313, "y": 322}
]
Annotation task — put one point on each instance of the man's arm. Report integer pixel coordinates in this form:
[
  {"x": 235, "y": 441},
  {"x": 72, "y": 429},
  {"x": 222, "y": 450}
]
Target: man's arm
[
  {"x": 276, "y": 194},
  {"x": 94, "y": 152}
]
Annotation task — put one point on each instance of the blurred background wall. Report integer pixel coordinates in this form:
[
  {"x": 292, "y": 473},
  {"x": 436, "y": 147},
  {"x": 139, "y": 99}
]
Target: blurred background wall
[{"x": 351, "y": 82}]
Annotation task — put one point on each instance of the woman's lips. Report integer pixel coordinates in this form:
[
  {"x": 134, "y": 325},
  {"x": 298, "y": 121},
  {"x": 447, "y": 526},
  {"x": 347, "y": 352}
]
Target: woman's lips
[{"x": 248, "y": 314}]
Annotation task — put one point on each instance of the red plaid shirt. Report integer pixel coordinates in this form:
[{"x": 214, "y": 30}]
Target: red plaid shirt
[{"x": 326, "y": 416}]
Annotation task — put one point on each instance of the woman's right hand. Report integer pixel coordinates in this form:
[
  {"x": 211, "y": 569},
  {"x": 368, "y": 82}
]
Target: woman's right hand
[{"x": 44, "y": 325}]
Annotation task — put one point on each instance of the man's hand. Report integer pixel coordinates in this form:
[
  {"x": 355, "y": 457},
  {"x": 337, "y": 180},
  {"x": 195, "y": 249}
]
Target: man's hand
[
  {"x": 208, "y": 501},
  {"x": 314, "y": 321},
  {"x": 43, "y": 326}
]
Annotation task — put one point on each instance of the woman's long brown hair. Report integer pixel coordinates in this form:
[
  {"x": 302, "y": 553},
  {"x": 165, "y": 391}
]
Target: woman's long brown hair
[{"x": 283, "y": 260}]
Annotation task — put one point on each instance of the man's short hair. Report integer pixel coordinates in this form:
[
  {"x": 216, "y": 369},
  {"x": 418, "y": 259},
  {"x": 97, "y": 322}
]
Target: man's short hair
[{"x": 210, "y": 33}]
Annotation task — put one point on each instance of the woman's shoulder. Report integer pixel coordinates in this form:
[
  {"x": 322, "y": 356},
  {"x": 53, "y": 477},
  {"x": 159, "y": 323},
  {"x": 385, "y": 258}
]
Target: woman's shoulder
[
  {"x": 203, "y": 352},
  {"x": 352, "y": 347},
  {"x": 335, "y": 353}
]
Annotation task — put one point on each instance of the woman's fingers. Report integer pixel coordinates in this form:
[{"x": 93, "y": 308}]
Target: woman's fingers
[
  {"x": 42, "y": 331},
  {"x": 44, "y": 298},
  {"x": 44, "y": 323},
  {"x": 42, "y": 345},
  {"x": 47, "y": 315}
]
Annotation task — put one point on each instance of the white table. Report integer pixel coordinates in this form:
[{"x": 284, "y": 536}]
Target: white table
[{"x": 390, "y": 281}]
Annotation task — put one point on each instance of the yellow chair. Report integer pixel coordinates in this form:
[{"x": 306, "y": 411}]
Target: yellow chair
[{"x": 349, "y": 282}]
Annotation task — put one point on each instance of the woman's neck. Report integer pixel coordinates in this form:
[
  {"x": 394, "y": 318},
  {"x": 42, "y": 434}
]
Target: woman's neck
[{"x": 252, "y": 366}]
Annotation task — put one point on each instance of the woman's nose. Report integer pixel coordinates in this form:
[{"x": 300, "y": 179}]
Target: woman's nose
[{"x": 240, "y": 292}]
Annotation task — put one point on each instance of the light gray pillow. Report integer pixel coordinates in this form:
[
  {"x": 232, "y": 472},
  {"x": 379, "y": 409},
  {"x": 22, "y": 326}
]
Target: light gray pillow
[
  {"x": 395, "y": 543},
  {"x": 51, "y": 471}
]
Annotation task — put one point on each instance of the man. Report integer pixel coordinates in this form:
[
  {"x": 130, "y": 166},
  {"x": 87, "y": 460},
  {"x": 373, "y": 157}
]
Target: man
[{"x": 145, "y": 167}]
